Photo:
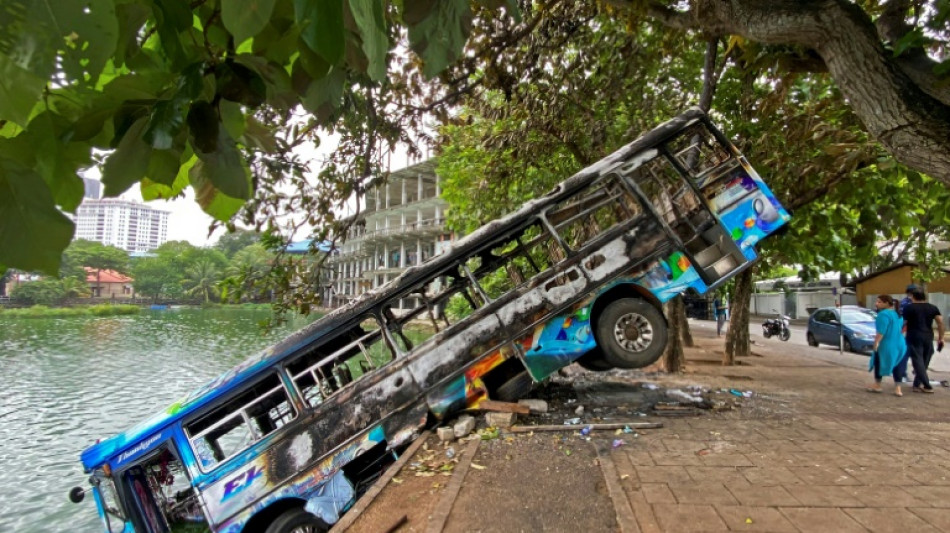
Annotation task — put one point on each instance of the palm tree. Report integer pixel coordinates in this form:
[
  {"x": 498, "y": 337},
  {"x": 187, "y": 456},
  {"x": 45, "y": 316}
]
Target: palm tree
[
  {"x": 75, "y": 287},
  {"x": 201, "y": 279}
]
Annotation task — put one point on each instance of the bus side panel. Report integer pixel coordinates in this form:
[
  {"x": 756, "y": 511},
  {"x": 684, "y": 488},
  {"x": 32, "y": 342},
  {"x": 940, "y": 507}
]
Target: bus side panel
[
  {"x": 551, "y": 343},
  {"x": 394, "y": 430},
  {"x": 343, "y": 415},
  {"x": 449, "y": 351},
  {"x": 754, "y": 217},
  {"x": 466, "y": 390}
]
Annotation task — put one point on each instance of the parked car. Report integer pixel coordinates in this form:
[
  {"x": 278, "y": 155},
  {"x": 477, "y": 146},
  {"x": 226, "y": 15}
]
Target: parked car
[{"x": 826, "y": 324}]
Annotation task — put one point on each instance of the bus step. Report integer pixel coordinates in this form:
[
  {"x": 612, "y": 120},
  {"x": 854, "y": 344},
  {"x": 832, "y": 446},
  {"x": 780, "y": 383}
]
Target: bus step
[
  {"x": 709, "y": 255},
  {"x": 721, "y": 267}
]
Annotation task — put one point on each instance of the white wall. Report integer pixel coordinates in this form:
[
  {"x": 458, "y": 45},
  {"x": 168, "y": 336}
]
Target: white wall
[
  {"x": 767, "y": 303},
  {"x": 816, "y": 300}
]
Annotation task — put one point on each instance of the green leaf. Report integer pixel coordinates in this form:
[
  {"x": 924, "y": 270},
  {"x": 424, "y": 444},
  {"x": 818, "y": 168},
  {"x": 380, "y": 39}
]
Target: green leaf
[
  {"x": 322, "y": 23},
  {"x": 58, "y": 162},
  {"x": 129, "y": 162},
  {"x": 232, "y": 118},
  {"x": 132, "y": 16},
  {"x": 203, "y": 125},
  {"x": 239, "y": 83},
  {"x": 152, "y": 190},
  {"x": 246, "y": 18},
  {"x": 33, "y": 232},
  {"x": 165, "y": 123},
  {"x": 163, "y": 166},
  {"x": 368, "y": 15},
  {"x": 20, "y": 89},
  {"x": 225, "y": 168},
  {"x": 438, "y": 38},
  {"x": 214, "y": 202},
  {"x": 323, "y": 96}
]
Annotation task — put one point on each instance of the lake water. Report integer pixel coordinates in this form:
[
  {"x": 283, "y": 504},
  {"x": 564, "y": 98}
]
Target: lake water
[{"x": 67, "y": 382}]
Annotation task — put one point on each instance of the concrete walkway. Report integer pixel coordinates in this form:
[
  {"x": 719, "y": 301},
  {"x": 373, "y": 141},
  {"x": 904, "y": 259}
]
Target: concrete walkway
[{"x": 812, "y": 451}]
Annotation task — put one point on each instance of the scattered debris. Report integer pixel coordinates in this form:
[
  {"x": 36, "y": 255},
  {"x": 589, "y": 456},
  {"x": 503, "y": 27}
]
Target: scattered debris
[
  {"x": 446, "y": 434},
  {"x": 534, "y": 405},
  {"x": 617, "y": 443},
  {"x": 504, "y": 407},
  {"x": 572, "y": 421},
  {"x": 579, "y": 411},
  {"x": 500, "y": 420},
  {"x": 608, "y": 426},
  {"x": 488, "y": 433},
  {"x": 463, "y": 426}
]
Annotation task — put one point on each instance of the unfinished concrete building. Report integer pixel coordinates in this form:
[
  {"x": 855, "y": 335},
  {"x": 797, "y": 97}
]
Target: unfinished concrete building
[{"x": 402, "y": 225}]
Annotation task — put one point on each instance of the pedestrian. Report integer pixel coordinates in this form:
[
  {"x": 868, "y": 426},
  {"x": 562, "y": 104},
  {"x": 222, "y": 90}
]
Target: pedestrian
[
  {"x": 721, "y": 308},
  {"x": 902, "y": 364},
  {"x": 889, "y": 346},
  {"x": 920, "y": 316},
  {"x": 906, "y": 300}
]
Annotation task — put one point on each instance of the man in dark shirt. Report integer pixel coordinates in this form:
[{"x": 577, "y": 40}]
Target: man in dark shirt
[
  {"x": 919, "y": 317},
  {"x": 906, "y": 300}
]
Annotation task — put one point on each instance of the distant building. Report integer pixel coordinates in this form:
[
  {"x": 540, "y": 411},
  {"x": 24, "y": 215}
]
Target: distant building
[
  {"x": 129, "y": 225},
  {"x": 403, "y": 224},
  {"x": 894, "y": 280},
  {"x": 92, "y": 188},
  {"x": 109, "y": 284}
]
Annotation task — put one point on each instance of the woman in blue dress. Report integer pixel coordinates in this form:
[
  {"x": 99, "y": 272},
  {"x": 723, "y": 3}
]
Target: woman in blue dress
[{"x": 889, "y": 345}]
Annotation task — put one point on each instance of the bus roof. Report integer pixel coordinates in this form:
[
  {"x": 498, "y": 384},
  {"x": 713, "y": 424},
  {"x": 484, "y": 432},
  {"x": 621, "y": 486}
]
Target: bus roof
[{"x": 139, "y": 439}]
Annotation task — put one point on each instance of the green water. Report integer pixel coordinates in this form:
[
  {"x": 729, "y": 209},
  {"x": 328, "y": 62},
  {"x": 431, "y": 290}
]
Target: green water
[{"x": 70, "y": 381}]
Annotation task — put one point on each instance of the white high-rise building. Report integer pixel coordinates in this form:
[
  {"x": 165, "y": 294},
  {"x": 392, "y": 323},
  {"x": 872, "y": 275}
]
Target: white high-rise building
[{"x": 132, "y": 226}]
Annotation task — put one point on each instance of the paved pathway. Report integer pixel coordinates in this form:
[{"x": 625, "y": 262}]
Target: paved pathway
[{"x": 815, "y": 452}]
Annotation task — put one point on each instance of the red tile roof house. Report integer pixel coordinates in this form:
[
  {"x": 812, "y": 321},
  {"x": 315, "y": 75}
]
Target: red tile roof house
[{"x": 109, "y": 284}]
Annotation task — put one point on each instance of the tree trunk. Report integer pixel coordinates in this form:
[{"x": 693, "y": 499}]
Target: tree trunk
[
  {"x": 905, "y": 108},
  {"x": 673, "y": 359},
  {"x": 737, "y": 337},
  {"x": 685, "y": 334}
]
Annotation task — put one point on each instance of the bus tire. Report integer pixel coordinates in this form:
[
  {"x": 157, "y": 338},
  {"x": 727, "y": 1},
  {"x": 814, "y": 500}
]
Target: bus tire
[
  {"x": 594, "y": 361},
  {"x": 631, "y": 333},
  {"x": 297, "y": 521},
  {"x": 517, "y": 387}
]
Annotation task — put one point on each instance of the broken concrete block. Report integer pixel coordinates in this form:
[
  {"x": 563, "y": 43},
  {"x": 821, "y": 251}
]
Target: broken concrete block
[
  {"x": 501, "y": 420},
  {"x": 446, "y": 434},
  {"x": 536, "y": 406},
  {"x": 463, "y": 426}
]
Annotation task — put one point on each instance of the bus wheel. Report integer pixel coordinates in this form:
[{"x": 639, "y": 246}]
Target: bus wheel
[
  {"x": 297, "y": 521},
  {"x": 517, "y": 387},
  {"x": 594, "y": 361},
  {"x": 631, "y": 333}
]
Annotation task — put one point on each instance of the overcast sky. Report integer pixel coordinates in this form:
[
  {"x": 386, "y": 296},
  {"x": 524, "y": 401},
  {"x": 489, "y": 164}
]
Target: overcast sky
[{"x": 186, "y": 220}]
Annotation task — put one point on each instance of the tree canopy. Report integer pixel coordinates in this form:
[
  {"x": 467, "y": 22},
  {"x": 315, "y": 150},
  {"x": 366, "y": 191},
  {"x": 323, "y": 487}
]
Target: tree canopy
[{"x": 216, "y": 96}]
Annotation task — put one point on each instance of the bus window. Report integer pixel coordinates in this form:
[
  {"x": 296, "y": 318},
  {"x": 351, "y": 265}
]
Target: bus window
[
  {"x": 162, "y": 490},
  {"x": 412, "y": 327},
  {"x": 697, "y": 150},
  {"x": 255, "y": 413},
  {"x": 588, "y": 214}
]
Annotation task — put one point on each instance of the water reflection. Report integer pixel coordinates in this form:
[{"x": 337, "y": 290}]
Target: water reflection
[{"x": 69, "y": 381}]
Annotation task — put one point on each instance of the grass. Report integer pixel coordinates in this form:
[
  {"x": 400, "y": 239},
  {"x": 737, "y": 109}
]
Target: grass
[{"x": 42, "y": 311}]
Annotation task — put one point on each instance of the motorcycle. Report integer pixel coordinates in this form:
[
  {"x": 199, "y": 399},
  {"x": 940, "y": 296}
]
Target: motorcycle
[{"x": 777, "y": 326}]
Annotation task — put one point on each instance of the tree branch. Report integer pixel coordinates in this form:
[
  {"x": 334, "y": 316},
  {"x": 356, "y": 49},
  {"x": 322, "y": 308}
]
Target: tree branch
[{"x": 896, "y": 108}]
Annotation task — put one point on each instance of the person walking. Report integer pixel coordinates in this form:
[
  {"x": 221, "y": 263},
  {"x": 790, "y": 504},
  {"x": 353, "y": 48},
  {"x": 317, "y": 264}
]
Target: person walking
[
  {"x": 889, "y": 345},
  {"x": 721, "y": 308},
  {"x": 906, "y": 300},
  {"x": 919, "y": 317}
]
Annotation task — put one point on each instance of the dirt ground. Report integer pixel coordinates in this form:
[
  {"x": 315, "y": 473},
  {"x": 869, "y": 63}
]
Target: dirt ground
[{"x": 785, "y": 441}]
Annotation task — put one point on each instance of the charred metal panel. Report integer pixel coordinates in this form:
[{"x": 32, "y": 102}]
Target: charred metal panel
[
  {"x": 450, "y": 353},
  {"x": 293, "y": 455}
]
